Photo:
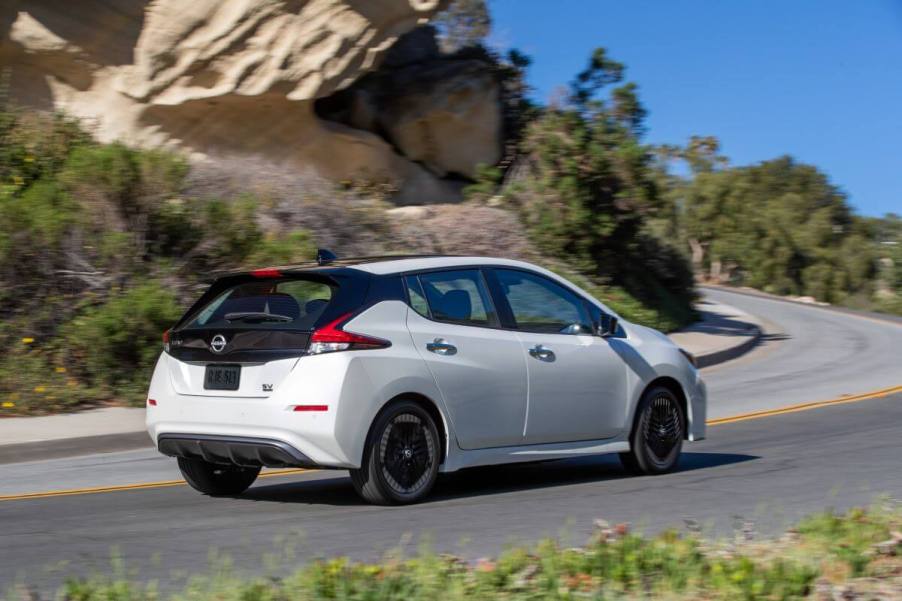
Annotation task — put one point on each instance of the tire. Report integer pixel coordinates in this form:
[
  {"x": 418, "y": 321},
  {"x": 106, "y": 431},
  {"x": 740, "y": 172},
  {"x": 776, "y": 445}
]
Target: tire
[
  {"x": 401, "y": 457},
  {"x": 657, "y": 437},
  {"x": 217, "y": 480}
]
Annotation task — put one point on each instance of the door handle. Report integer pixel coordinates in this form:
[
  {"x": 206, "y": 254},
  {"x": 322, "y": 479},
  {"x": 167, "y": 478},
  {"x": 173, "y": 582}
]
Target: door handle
[
  {"x": 440, "y": 346},
  {"x": 541, "y": 353}
]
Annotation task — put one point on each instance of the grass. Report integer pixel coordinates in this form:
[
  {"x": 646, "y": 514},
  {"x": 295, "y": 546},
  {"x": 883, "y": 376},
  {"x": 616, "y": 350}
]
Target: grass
[{"x": 827, "y": 554}]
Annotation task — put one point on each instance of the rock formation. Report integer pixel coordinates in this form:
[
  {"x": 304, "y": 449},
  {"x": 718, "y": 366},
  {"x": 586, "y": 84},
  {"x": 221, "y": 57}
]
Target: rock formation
[{"x": 242, "y": 78}]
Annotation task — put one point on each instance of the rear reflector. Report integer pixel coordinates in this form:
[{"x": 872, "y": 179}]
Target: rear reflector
[
  {"x": 310, "y": 408},
  {"x": 269, "y": 272},
  {"x": 151, "y": 402}
]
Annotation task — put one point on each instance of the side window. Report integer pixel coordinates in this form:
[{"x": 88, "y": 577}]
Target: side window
[
  {"x": 540, "y": 305},
  {"x": 458, "y": 297},
  {"x": 417, "y": 299}
]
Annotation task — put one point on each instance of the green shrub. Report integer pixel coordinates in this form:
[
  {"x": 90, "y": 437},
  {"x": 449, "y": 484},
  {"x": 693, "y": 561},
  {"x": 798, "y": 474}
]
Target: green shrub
[
  {"x": 35, "y": 380},
  {"x": 114, "y": 345},
  {"x": 35, "y": 146},
  {"x": 294, "y": 247},
  {"x": 231, "y": 230}
]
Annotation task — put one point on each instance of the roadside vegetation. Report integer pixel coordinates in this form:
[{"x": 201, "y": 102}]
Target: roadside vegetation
[
  {"x": 100, "y": 253},
  {"x": 780, "y": 226},
  {"x": 589, "y": 188},
  {"x": 102, "y": 246},
  {"x": 852, "y": 555}
]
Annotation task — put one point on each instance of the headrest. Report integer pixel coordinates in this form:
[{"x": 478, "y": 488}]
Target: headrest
[
  {"x": 283, "y": 304},
  {"x": 455, "y": 305}
]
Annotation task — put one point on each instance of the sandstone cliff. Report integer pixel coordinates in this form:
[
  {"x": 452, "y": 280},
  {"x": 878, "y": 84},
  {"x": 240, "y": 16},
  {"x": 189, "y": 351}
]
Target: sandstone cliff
[{"x": 295, "y": 82}]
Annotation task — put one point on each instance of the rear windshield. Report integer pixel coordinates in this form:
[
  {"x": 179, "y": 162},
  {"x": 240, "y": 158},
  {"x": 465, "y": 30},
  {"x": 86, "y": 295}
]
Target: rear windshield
[{"x": 293, "y": 304}]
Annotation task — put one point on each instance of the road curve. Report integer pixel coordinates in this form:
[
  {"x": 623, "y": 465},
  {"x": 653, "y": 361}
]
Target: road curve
[
  {"x": 771, "y": 470},
  {"x": 809, "y": 353}
]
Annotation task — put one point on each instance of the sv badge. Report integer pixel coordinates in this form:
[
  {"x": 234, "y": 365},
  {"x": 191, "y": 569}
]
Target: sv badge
[{"x": 267, "y": 388}]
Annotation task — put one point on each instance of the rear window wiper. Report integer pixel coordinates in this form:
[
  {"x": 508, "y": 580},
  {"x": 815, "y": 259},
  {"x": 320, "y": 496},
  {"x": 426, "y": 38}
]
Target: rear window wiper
[{"x": 256, "y": 316}]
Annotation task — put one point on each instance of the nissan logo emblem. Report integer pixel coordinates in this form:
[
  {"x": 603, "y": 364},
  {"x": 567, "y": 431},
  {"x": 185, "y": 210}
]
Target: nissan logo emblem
[{"x": 218, "y": 344}]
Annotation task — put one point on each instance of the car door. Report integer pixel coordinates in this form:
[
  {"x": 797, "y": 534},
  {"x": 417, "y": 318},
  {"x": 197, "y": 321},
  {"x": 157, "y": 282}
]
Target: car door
[
  {"x": 577, "y": 383},
  {"x": 478, "y": 368}
]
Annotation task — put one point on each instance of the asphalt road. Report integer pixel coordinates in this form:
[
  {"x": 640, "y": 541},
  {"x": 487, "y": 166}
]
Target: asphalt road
[
  {"x": 807, "y": 354},
  {"x": 770, "y": 470}
]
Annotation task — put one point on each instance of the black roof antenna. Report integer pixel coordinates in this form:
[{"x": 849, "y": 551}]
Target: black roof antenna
[{"x": 324, "y": 256}]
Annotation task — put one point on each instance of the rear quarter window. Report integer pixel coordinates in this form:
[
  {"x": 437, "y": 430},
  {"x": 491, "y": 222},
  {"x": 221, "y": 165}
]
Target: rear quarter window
[{"x": 458, "y": 296}]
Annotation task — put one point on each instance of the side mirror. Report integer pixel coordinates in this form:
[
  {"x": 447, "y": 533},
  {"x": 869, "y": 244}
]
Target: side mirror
[{"x": 608, "y": 326}]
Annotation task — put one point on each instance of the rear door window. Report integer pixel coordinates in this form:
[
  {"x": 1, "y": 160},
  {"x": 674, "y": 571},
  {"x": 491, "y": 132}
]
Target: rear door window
[
  {"x": 458, "y": 296},
  {"x": 293, "y": 304}
]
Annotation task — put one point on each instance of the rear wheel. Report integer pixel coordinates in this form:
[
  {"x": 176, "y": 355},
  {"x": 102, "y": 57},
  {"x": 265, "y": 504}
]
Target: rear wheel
[
  {"x": 657, "y": 438},
  {"x": 401, "y": 459},
  {"x": 216, "y": 480}
]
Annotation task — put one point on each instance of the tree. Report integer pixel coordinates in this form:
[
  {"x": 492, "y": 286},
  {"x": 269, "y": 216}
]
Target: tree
[
  {"x": 780, "y": 226},
  {"x": 463, "y": 24},
  {"x": 590, "y": 186}
]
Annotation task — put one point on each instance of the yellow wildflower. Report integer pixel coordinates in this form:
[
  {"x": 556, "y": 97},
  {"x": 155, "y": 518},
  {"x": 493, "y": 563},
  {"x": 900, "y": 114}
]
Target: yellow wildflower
[
  {"x": 60, "y": 370},
  {"x": 40, "y": 388},
  {"x": 8, "y": 404},
  {"x": 27, "y": 340}
]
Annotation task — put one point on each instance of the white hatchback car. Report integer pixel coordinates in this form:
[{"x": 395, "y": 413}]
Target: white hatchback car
[{"x": 397, "y": 368}]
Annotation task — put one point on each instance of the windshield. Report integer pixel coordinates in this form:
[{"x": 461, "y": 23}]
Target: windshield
[{"x": 293, "y": 304}]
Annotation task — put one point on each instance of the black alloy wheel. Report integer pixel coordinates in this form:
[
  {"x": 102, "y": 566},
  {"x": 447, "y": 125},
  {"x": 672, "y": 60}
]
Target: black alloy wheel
[
  {"x": 657, "y": 438},
  {"x": 402, "y": 457}
]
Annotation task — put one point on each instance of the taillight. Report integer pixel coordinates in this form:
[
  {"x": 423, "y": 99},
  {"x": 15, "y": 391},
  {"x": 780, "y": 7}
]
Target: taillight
[
  {"x": 331, "y": 337},
  {"x": 166, "y": 341}
]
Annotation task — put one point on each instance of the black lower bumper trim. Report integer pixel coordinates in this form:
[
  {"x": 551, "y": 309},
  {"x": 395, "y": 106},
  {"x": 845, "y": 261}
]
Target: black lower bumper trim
[{"x": 233, "y": 450}]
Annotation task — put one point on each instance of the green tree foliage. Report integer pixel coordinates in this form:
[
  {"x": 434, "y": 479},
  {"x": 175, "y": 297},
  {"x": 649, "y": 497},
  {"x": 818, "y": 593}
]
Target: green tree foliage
[
  {"x": 113, "y": 346},
  {"x": 99, "y": 253},
  {"x": 587, "y": 185},
  {"x": 464, "y": 23},
  {"x": 779, "y": 226}
]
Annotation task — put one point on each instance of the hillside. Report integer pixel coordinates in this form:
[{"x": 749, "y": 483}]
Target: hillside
[{"x": 102, "y": 247}]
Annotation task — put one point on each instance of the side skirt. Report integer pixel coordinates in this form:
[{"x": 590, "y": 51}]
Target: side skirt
[{"x": 459, "y": 459}]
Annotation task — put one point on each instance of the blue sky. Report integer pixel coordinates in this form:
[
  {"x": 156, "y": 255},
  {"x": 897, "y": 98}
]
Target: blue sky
[{"x": 818, "y": 79}]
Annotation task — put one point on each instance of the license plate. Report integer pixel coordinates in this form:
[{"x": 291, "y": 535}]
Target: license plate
[{"x": 222, "y": 377}]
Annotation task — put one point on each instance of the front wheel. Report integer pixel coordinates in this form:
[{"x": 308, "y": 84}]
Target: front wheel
[
  {"x": 657, "y": 438},
  {"x": 401, "y": 459},
  {"x": 216, "y": 480}
]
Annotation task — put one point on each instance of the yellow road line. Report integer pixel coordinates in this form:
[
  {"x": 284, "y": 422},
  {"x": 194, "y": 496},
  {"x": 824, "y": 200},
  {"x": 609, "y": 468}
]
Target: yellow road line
[
  {"x": 115, "y": 488},
  {"x": 286, "y": 472},
  {"x": 806, "y": 406}
]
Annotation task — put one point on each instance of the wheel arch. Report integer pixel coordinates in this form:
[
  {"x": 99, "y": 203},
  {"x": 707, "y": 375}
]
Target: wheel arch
[{"x": 428, "y": 405}]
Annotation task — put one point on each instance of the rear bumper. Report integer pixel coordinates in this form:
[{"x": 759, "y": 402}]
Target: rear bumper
[
  {"x": 232, "y": 450},
  {"x": 330, "y": 438}
]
